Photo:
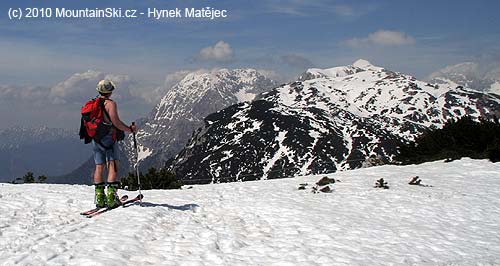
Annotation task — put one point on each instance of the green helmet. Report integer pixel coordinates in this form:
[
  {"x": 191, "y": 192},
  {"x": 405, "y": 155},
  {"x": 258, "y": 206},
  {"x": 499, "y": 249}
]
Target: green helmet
[{"x": 105, "y": 86}]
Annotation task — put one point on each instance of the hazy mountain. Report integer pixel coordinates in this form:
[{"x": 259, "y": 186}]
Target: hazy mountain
[
  {"x": 43, "y": 151},
  {"x": 470, "y": 75}
]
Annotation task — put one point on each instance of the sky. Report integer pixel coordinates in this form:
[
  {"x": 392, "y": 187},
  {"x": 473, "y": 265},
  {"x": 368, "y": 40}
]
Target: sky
[{"x": 52, "y": 64}]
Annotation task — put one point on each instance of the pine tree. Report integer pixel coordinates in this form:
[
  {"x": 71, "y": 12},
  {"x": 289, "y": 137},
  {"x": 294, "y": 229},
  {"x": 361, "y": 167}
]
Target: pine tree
[
  {"x": 461, "y": 138},
  {"x": 153, "y": 179},
  {"x": 29, "y": 178},
  {"x": 42, "y": 179}
]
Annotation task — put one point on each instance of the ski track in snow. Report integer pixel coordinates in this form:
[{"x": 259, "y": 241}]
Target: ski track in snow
[{"x": 455, "y": 222}]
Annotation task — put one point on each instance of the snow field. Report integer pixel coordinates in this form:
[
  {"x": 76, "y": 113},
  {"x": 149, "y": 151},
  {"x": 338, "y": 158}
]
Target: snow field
[{"x": 455, "y": 222}]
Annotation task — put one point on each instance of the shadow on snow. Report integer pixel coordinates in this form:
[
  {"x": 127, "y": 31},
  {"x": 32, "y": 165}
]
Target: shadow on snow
[{"x": 185, "y": 207}]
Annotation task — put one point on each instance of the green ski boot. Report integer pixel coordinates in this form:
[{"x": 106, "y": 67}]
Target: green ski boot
[
  {"x": 100, "y": 196},
  {"x": 112, "y": 198}
]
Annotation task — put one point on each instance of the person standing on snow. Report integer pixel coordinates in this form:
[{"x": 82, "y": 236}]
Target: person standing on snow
[{"x": 106, "y": 151}]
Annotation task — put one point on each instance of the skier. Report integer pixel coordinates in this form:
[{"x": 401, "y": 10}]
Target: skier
[{"x": 106, "y": 151}]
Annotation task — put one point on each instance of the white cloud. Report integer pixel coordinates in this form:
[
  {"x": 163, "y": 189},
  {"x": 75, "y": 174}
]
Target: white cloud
[
  {"x": 221, "y": 51},
  {"x": 272, "y": 75},
  {"x": 59, "y": 106},
  {"x": 174, "y": 78},
  {"x": 81, "y": 86},
  {"x": 124, "y": 85},
  {"x": 288, "y": 10},
  {"x": 33, "y": 95},
  {"x": 345, "y": 11},
  {"x": 152, "y": 96},
  {"x": 383, "y": 38},
  {"x": 465, "y": 69},
  {"x": 307, "y": 8},
  {"x": 76, "y": 87}
]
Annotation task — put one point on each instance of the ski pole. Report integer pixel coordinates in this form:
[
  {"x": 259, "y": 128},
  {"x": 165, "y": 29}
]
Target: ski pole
[{"x": 136, "y": 162}]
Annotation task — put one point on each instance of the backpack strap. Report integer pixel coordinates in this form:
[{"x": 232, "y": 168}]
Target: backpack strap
[
  {"x": 105, "y": 113},
  {"x": 101, "y": 103},
  {"x": 117, "y": 130}
]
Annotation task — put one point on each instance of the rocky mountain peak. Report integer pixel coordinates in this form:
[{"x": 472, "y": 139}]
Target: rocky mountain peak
[
  {"x": 362, "y": 63},
  {"x": 184, "y": 106}
]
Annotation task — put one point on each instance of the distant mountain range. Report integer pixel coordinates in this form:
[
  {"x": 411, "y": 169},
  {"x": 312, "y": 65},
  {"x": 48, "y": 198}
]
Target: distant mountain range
[
  {"x": 228, "y": 125},
  {"x": 43, "y": 151},
  {"x": 328, "y": 120}
]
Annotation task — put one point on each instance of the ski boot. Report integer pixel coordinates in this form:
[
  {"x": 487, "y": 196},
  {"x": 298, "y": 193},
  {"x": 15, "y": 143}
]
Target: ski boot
[
  {"x": 100, "y": 196},
  {"x": 112, "y": 198}
]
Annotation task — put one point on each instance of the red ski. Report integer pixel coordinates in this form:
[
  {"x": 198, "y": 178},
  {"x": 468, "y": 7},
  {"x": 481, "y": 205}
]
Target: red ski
[
  {"x": 103, "y": 210},
  {"x": 122, "y": 199}
]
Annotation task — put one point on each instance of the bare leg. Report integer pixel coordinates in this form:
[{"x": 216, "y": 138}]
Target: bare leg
[
  {"x": 99, "y": 168},
  {"x": 112, "y": 173}
]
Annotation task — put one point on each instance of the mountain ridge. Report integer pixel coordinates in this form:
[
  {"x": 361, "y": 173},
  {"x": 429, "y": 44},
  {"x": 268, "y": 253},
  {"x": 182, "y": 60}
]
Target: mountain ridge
[
  {"x": 323, "y": 123},
  {"x": 182, "y": 109},
  {"x": 23, "y": 149}
]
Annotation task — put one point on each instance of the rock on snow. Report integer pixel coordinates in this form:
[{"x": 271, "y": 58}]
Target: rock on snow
[{"x": 455, "y": 222}]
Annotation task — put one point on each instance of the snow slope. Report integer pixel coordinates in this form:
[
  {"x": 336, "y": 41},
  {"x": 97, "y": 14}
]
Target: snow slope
[{"x": 270, "y": 222}]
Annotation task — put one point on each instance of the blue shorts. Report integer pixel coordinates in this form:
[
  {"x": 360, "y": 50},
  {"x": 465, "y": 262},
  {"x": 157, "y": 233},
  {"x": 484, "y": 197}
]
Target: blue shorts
[{"x": 102, "y": 155}]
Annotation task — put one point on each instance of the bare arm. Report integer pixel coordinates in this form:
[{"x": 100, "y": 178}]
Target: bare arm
[{"x": 115, "y": 119}]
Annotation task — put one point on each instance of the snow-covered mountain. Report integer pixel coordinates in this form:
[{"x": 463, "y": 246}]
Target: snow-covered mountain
[
  {"x": 328, "y": 120},
  {"x": 454, "y": 222},
  {"x": 171, "y": 123},
  {"x": 24, "y": 149},
  {"x": 335, "y": 72},
  {"x": 470, "y": 75}
]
